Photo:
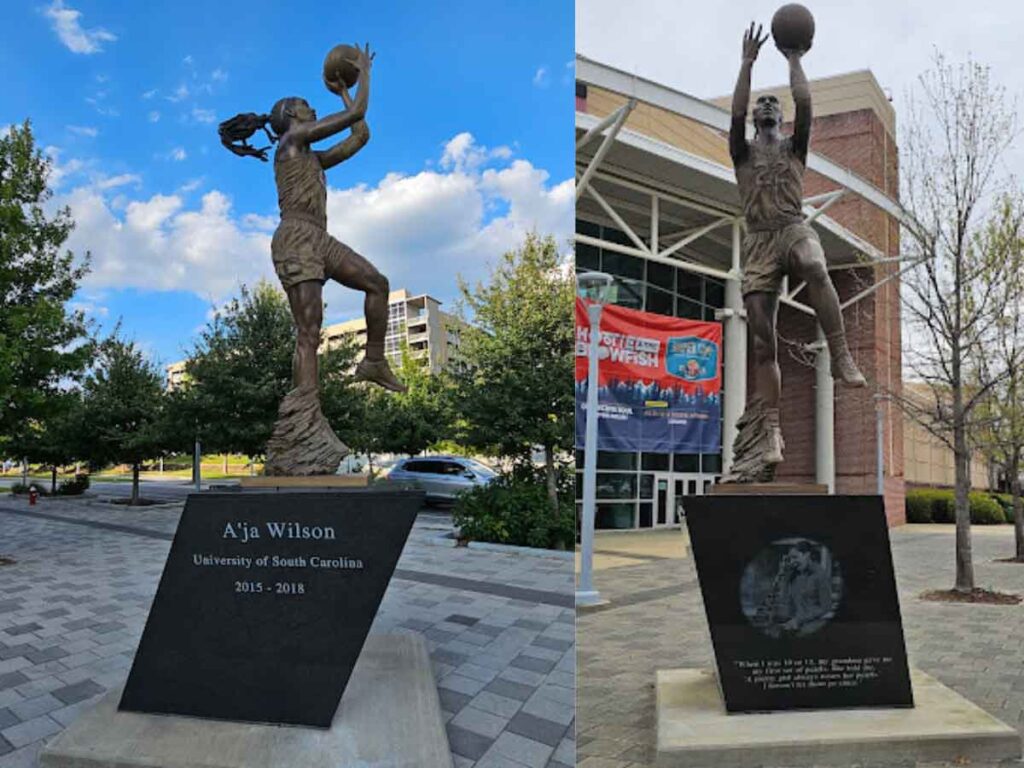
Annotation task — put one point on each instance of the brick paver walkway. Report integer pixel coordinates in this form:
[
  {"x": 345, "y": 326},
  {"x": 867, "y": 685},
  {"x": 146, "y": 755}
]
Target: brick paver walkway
[
  {"x": 72, "y": 607},
  {"x": 656, "y": 621}
]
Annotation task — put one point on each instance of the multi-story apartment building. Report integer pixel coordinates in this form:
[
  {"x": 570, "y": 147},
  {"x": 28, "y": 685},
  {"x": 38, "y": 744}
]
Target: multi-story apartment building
[{"x": 431, "y": 333}]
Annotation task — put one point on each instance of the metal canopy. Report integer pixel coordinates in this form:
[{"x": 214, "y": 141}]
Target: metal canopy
[{"x": 693, "y": 192}]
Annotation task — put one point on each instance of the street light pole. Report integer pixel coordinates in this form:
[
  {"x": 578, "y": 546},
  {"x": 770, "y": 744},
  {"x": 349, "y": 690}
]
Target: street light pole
[{"x": 595, "y": 285}]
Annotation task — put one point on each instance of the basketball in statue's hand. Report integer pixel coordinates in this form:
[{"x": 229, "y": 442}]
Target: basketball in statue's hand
[
  {"x": 793, "y": 28},
  {"x": 342, "y": 66}
]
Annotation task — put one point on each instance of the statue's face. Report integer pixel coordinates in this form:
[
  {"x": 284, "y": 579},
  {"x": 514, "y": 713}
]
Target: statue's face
[
  {"x": 302, "y": 112},
  {"x": 767, "y": 112}
]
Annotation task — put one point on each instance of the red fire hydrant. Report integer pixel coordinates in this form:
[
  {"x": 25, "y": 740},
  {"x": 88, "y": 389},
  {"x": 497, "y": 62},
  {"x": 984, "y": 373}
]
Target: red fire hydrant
[{"x": 33, "y": 494}]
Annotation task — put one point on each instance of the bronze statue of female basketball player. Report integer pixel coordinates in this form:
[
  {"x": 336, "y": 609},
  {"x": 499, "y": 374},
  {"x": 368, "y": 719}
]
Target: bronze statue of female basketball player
[
  {"x": 778, "y": 242},
  {"x": 306, "y": 256}
]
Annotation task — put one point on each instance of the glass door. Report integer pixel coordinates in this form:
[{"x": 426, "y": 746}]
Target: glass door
[{"x": 663, "y": 500}]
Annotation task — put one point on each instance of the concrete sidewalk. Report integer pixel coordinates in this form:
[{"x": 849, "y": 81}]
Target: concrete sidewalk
[{"x": 500, "y": 628}]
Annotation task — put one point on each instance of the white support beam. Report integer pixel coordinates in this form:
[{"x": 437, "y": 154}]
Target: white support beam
[
  {"x": 833, "y": 198},
  {"x": 655, "y": 226},
  {"x": 597, "y": 129},
  {"x": 734, "y": 385},
  {"x": 689, "y": 266},
  {"x": 872, "y": 288},
  {"x": 689, "y": 238},
  {"x": 824, "y": 415},
  {"x": 606, "y": 144},
  {"x": 619, "y": 222}
]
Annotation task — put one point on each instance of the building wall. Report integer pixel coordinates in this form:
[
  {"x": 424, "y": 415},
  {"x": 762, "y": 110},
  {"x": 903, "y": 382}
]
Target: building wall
[{"x": 860, "y": 141}]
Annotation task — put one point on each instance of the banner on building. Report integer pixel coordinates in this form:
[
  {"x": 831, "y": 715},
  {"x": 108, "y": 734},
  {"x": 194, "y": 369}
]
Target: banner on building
[{"x": 660, "y": 382}]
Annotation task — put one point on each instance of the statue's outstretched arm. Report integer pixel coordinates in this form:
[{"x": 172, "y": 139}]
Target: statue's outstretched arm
[
  {"x": 802, "y": 99},
  {"x": 752, "y": 42},
  {"x": 343, "y": 150}
]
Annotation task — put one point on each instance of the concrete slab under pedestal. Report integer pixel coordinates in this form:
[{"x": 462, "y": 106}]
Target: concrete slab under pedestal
[
  {"x": 390, "y": 716},
  {"x": 695, "y": 730}
]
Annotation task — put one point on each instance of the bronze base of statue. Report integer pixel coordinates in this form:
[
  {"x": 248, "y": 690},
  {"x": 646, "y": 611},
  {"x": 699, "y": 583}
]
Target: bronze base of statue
[
  {"x": 303, "y": 442},
  {"x": 753, "y": 446}
]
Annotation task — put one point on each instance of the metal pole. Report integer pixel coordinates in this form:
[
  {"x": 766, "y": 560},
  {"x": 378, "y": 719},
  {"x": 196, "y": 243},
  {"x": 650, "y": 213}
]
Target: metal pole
[
  {"x": 197, "y": 466},
  {"x": 586, "y": 594}
]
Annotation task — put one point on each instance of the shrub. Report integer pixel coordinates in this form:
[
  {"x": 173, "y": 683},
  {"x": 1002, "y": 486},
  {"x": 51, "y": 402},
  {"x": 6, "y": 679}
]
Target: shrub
[
  {"x": 985, "y": 510},
  {"x": 919, "y": 506},
  {"x": 514, "y": 509},
  {"x": 76, "y": 486},
  {"x": 938, "y": 505},
  {"x": 19, "y": 488}
]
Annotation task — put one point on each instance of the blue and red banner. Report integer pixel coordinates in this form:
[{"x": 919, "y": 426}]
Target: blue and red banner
[{"x": 660, "y": 382}]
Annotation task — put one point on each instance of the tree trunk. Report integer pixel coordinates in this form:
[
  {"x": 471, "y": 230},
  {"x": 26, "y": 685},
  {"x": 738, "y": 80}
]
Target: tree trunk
[
  {"x": 962, "y": 459},
  {"x": 225, "y": 463},
  {"x": 1018, "y": 506},
  {"x": 53, "y": 480},
  {"x": 551, "y": 476},
  {"x": 135, "y": 483}
]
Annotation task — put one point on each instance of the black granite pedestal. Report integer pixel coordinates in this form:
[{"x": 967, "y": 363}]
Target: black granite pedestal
[
  {"x": 801, "y": 601},
  {"x": 265, "y": 603}
]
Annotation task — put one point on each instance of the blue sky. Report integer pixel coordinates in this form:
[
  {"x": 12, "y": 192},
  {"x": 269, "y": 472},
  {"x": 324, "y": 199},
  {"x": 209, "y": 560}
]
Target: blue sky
[{"x": 470, "y": 114}]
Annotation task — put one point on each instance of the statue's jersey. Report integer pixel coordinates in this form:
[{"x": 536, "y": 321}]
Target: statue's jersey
[
  {"x": 301, "y": 248},
  {"x": 302, "y": 188},
  {"x": 770, "y": 182}
]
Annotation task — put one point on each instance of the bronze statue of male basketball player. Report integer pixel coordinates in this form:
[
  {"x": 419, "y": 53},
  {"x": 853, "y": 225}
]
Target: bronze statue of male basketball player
[
  {"x": 306, "y": 256},
  {"x": 778, "y": 242}
]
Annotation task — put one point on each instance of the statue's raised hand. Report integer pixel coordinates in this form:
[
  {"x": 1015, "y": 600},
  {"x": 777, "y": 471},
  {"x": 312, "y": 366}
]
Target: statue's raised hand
[{"x": 752, "y": 42}]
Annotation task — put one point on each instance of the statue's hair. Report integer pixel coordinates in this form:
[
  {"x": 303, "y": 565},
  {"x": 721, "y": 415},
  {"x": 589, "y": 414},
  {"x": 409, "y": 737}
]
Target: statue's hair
[{"x": 235, "y": 132}]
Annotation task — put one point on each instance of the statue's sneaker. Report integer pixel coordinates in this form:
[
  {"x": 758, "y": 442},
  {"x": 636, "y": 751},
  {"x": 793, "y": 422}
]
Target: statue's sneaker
[
  {"x": 846, "y": 371},
  {"x": 379, "y": 372},
  {"x": 774, "y": 447}
]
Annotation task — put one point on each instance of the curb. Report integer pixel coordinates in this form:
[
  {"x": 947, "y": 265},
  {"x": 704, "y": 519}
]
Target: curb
[{"x": 449, "y": 540}]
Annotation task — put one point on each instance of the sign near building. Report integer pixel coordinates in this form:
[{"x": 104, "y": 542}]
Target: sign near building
[{"x": 659, "y": 378}]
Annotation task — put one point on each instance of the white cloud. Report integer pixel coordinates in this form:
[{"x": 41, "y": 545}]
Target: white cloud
[
  {"x": 153, "y": 116},
  {"x": 150, "y": 93},
  {"x": 112, "y": 182},
  {"x": 191, "y": 185},
  {"x": 84, "y": 130},
  {"x": 204, "y": 115},
  {"x": 180, "y": 93},
  {"x": 66, "y": 23},
  {"x": 188, "y": 60},
  {"x": 541, "y": 77},
  {"x": 218, "y": 75},
  {"x": 177, "y": 154},
  {"x": 419, "y": 229},
  {"x": 462, "y": 153},
  {"x": 60, "y": 172}
]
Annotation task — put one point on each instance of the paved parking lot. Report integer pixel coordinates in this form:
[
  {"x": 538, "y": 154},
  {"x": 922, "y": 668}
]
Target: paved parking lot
[
  {"x": 655, "y": 620},
  {"x": 500, "y": 628}
]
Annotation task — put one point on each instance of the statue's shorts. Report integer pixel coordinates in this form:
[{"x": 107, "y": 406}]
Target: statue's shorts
[
  {"x": 302, "y": 250},
  {"x": 767, "y": 255}
]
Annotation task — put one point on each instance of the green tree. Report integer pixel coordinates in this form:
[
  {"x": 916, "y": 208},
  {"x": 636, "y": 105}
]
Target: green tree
[
  {"x": 407, "y": 422},
  {"x": 123, "y": 408},
  {"x": 960, "y": 127},
  {"x": 999, "y": 416},
  {"x": 58, "y": 439},
  {"x": 42, "y": 342},
  {"x": 241, "y": 368},
  {"x": 513, "y": 386}
]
